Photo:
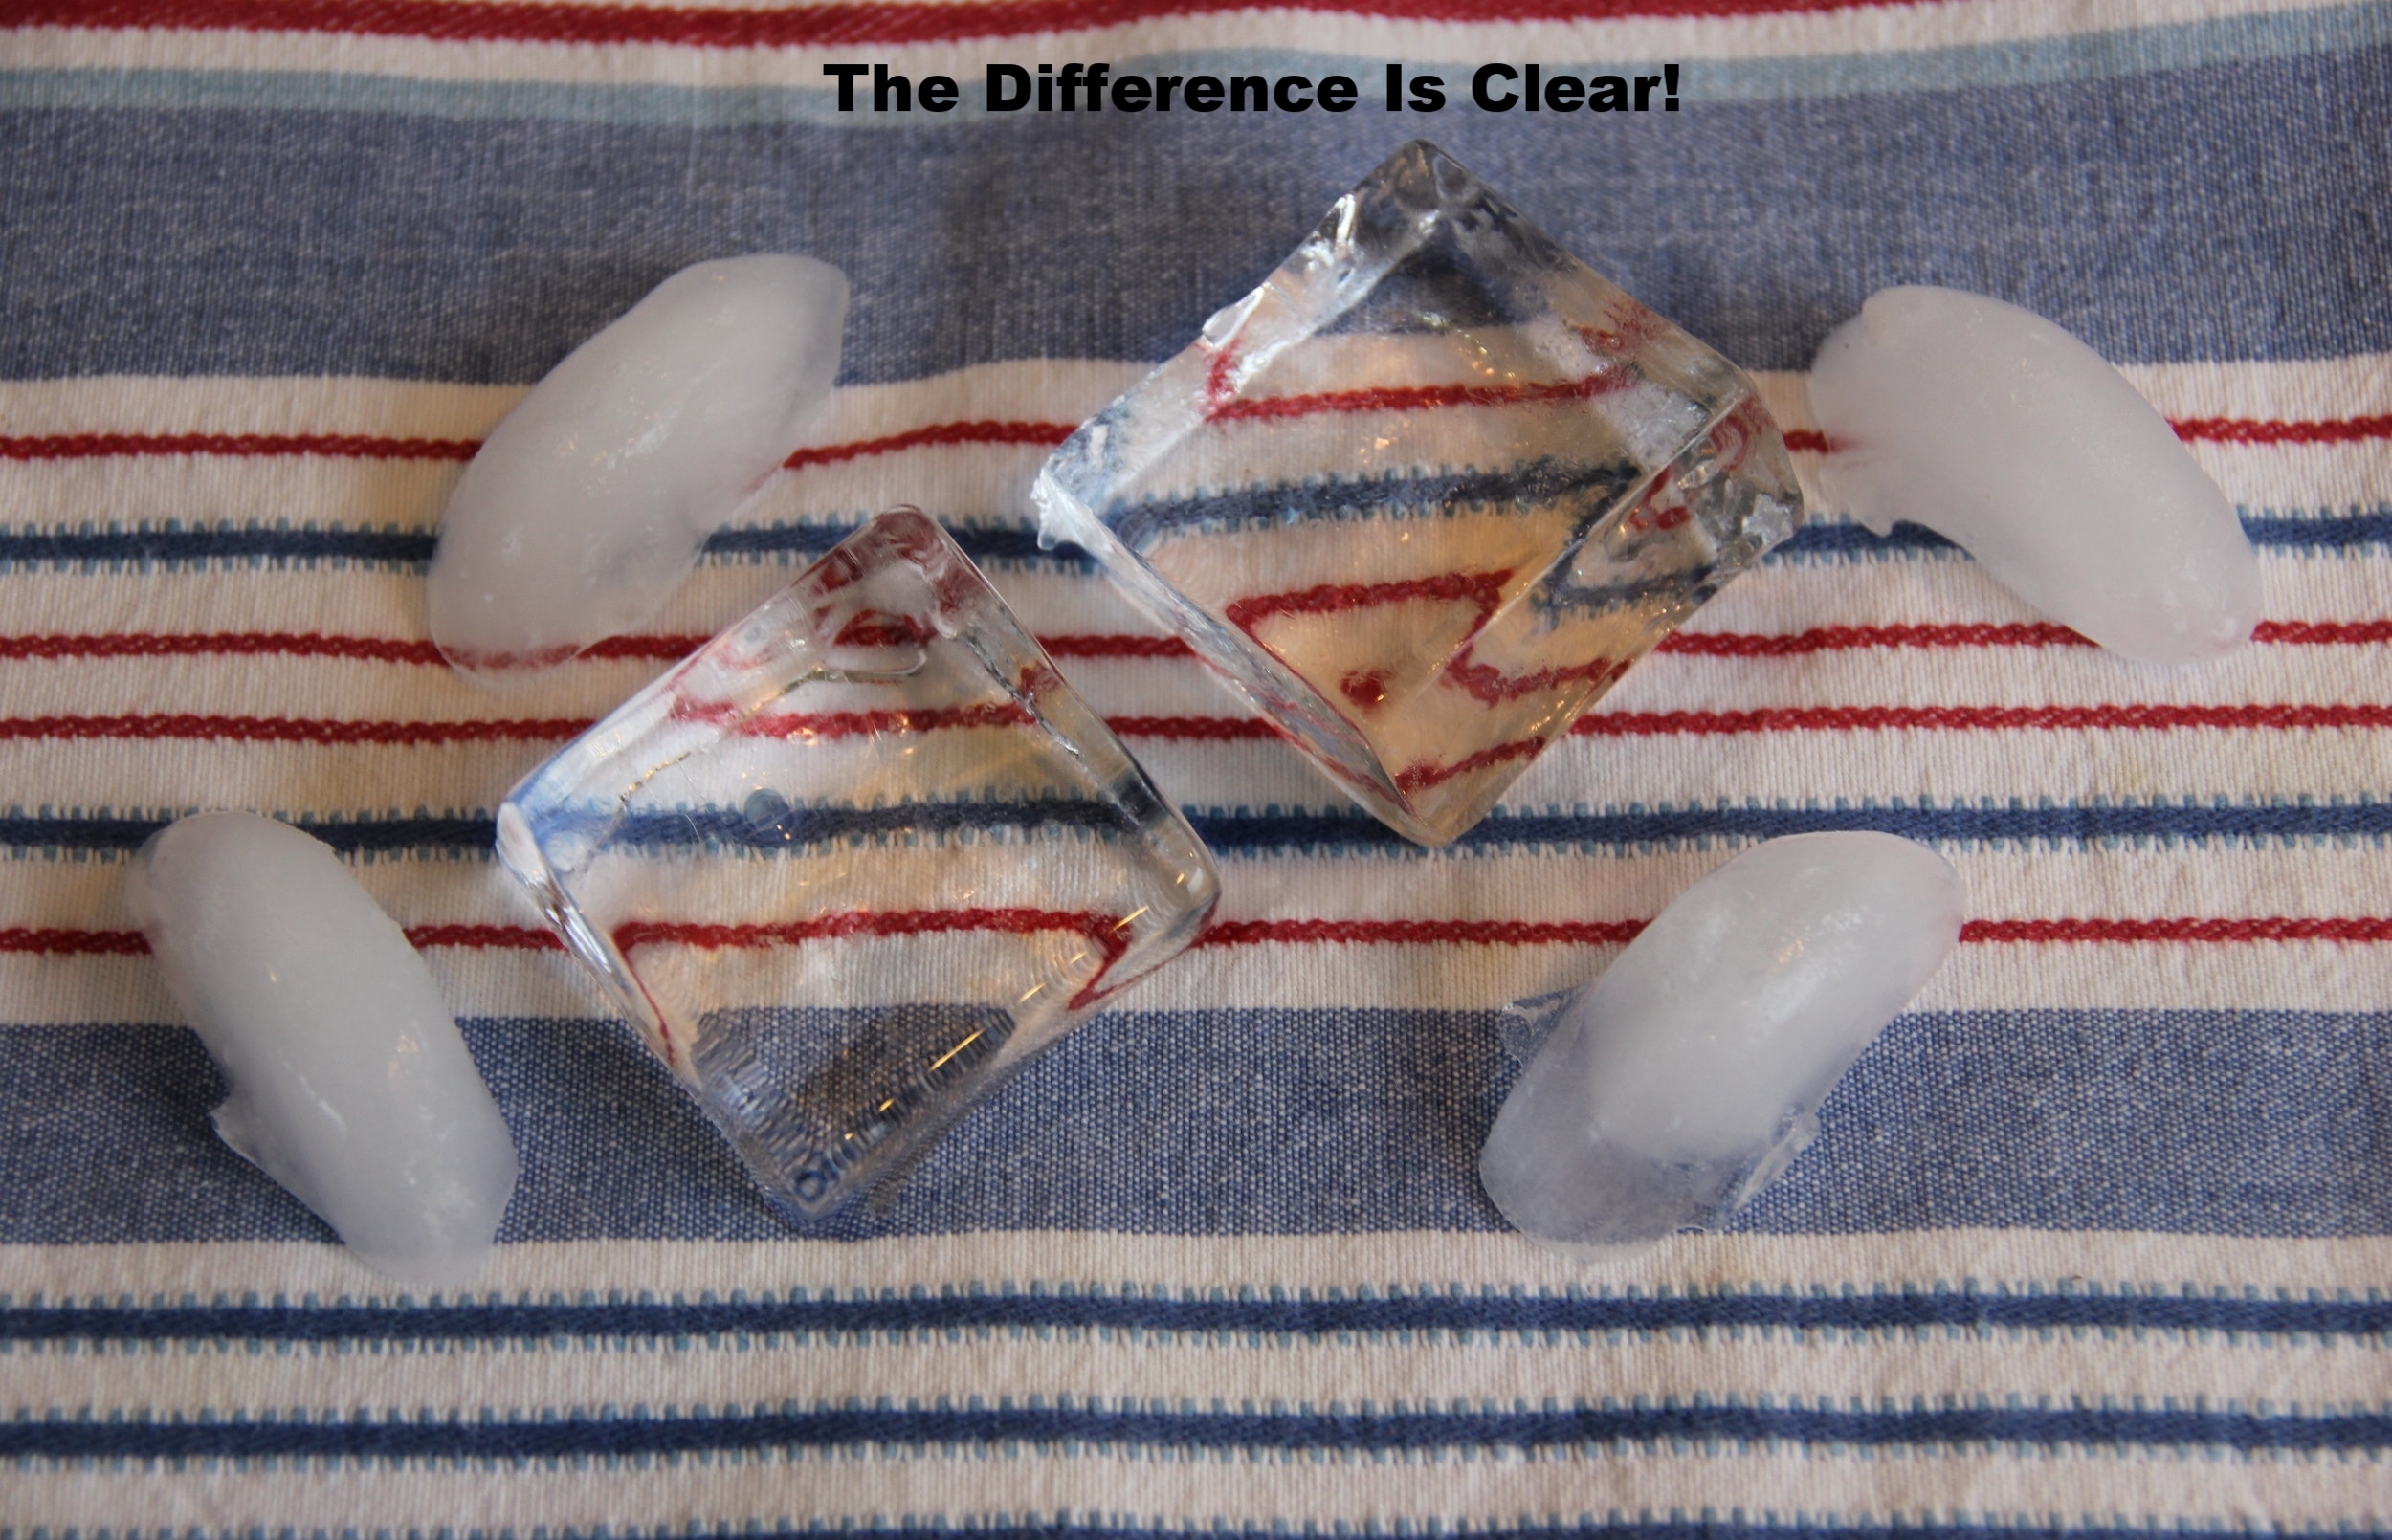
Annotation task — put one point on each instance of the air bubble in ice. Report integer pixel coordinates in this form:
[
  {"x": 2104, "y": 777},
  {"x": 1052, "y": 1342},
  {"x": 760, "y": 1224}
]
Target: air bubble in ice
[
  {"x": 350, "y": 1085},
  {"x": 1995, "y": 428},
  {"x": 591, "y": 500},
  {"x": 1677, "y": 1085}
]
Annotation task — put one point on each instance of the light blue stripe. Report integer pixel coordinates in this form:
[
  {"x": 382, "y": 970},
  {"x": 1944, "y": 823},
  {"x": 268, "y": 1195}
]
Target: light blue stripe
[{"x": 2026, "y": 62}]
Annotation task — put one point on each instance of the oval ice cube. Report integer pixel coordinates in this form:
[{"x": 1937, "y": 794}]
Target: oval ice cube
[
  {"x": 591, "y": 500},
  {"x": 1683, "y": 1080},
  {"x": 350, "y": 1085},
  {"x": 1994, "y": 426}
]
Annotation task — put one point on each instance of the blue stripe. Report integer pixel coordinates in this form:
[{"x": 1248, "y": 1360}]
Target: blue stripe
[
  {"x": 2209, "y": 1122},
  {"x": 1574, "y": 1427},
  {"x": 172, "y": 545},
  {"x": 1309, "y": 1315},
  {"x": 2072, "y": 823},
  {"x": 1243, "y": 832},
  {"x": 2327, "y": 532},
  {"x": 1545, "y": 481},
  {"x": 482, "y": 251}
]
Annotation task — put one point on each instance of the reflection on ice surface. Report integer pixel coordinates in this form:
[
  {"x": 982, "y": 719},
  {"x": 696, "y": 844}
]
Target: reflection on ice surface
[
  {"x": 1687, "y": 1077},
  {"x": 350, "y": 1085}
]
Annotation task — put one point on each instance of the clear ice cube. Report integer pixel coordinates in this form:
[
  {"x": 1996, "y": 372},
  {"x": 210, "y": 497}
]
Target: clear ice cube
[
  {"x": 857, "y": 861},
  {"x": 1424, "y": 494}
]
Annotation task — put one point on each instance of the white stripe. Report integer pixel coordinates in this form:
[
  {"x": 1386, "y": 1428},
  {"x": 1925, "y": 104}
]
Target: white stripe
[
  {"x": 2278, "y": 976},
  {"x": 1776, "y": 601},
  {"x": 1202, "y": 1491},
  {"x": 2308, "y": 976},
  {"x": 2020, "y": 1260},
  {"x": 1938, "y": 1370},
  {"x": 2126, "y": 882}
]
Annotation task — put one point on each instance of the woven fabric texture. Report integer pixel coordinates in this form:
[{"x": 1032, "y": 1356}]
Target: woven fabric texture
[{"x": 2095, "y": 1240}]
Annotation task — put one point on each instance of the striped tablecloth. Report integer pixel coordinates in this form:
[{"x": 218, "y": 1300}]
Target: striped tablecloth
[{"x": 2096, "y": 1239}]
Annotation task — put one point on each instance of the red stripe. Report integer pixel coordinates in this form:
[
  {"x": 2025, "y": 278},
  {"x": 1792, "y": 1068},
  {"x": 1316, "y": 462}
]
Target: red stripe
[
  {"x": 57, "y": 941},
  {"x": 798, "y": 25},
  {"x": 485, "y": 937},
  {"x": 2275, "y": 928},
  {"x": 241, "y": 446},
  {"x": 1107, "y": 933},
  {"x": 2246, "y": 430},
  {"x": 1980, "y": 718},
  {"x": 1194, "y": 728},
  {"x": 1422, "y": 776},
  {"x": 2183, "y": 930},
  {"x": 1041, "y": 434},
  {"x": 291, "y": 729},
  {"x": 1418, "y": 398},
  {"x": 366, "y": 447},
  {"x": 2266, "y": 717},
  {"x": 2208, "y": 431},
  {"x": 2322, "y": 633},
  {"x": 1105, "y": 930},
  {"x": 219, "y": 644},
  {"x": 388, "y": 649},
  {"x": 1099, "y": 645},
  {"x": 1422, "y": 932},
  {"x": 2032, "y": 634},
  {"x": 1849, "y": 638},
  {"x": 1115, "y": 647},
  {"x": 1044, "y": 435},
  {"x": 1484, "y": 589},
  {"x": 833, "y": 725}
]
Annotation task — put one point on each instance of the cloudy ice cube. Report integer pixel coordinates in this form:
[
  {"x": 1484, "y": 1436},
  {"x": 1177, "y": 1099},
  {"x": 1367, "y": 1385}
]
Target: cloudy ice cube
[
  {"x": 350, "y": 1085},
  {"x": 591, "y": 500},
  {"x": 1684, "y": 1080},
  {"x": 1994, "y": 426}
]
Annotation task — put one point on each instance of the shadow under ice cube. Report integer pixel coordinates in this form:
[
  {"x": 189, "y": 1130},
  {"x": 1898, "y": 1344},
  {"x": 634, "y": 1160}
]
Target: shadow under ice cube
[
  {"x": 1424, "y": 495},
  {"x": 855, "y": 861}
]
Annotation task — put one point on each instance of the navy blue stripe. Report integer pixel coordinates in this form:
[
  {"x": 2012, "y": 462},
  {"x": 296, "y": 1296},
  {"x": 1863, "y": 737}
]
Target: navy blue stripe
[
  {"x": 1541, "y": 480},
  {"x": 1252, "y": 833},
  {"x": 1306, "y": 1121},
  {"x": 480, "y": 250},
  {"x": 1966, "y": 1310},
  {"x": 569, "y": 1438},
  {"x": 2069, "y": 824},
  {"x": 173, "y": 548},
  {"x": 1724, "y": 1526},
  {"x": 2275, "y": 532},
  {"x": 1713, "y": 1525},
  {"x": 174, "y": 545}
]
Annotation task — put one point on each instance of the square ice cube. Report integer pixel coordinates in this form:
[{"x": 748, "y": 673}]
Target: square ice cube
[
  {"x": 1426, "y": 494},
  {"x": 855, "y": 861}
]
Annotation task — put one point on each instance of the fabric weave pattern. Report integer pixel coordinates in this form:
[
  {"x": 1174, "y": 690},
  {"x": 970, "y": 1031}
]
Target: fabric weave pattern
[{"x": 2095, "y": 1241}]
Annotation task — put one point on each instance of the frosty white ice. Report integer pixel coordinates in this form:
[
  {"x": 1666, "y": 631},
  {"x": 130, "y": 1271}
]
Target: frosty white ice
[
  {"x": 1991, "y": 425},
  {"x": 1686, "y": 1077},
  {"x": 350, "y": 1083},
  {"x": 590, "y": 502}
]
